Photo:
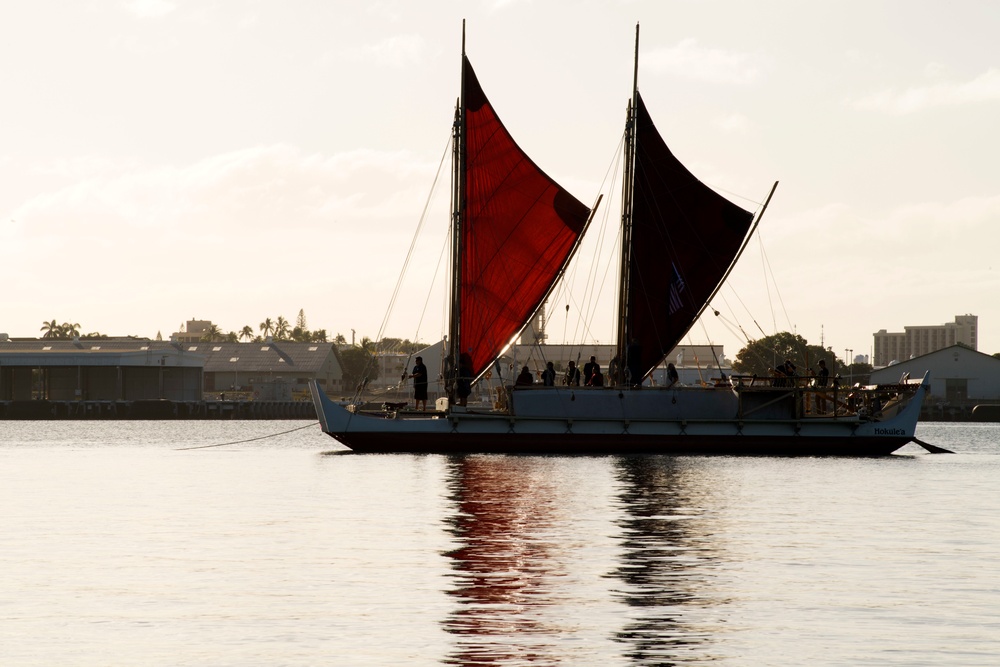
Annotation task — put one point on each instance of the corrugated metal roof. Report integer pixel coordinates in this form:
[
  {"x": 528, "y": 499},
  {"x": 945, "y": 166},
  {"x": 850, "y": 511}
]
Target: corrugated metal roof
[{"x": 222, "y": 357}]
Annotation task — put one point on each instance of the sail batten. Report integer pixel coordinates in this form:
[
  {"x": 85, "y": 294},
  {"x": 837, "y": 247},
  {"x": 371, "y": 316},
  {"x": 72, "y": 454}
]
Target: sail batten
[{"x": 518, "y": 228}]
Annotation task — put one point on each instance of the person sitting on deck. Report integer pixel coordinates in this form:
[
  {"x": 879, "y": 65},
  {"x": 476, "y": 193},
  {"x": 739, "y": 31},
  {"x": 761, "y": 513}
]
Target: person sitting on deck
[
  {"x": 672, "y": 376},
  {"x": 525, "y": 379}
]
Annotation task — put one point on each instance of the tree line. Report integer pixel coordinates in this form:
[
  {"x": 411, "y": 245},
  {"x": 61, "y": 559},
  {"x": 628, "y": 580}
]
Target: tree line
[
  {"x": 759, "y": 357},
  {"x": 65, "y": 331}
]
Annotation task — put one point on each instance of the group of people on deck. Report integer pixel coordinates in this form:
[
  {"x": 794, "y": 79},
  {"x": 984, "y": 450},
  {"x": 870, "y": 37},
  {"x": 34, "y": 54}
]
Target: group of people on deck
[
  {"x": 785, "y": 373},
  {"x": 463, "y": 383},
  {"x": 591, "y": 376},
  {"x": 784, "y": 376}
]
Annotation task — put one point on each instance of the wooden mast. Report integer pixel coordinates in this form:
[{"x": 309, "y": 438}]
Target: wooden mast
[
  {"x": 457, "y": 219},
  {"x": 624, "y": 333}
]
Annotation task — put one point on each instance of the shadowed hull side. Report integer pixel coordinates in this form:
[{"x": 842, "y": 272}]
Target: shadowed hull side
[{"x": 594, "y": 445}]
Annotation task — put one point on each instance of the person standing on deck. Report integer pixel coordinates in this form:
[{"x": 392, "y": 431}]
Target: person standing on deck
[
  {"x": 419, "y": 376},
  {"x": 549, "y": 375},
  {"x": 589, "y": 369},
  {"x": 463, "y": 387},
  {"x": 633, "y": 363},
  {"x": 822, "y": 380},
  {"x": 572, "y": 375}
]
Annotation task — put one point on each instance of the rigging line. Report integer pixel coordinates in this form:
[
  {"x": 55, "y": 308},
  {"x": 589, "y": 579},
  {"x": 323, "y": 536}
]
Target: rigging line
[
  {"x": 444, "y": 248},
  {"x": 736, "y": 331},
  {"x": 735, "y": 194},
  {"x": 781, "y": 301},
  {"x": 767, "y": 285},
  {"x": 711, "y": 345},
  {"x": 588, "y": 305},
  {"x": 752, "y": 318},
  {"x": 587, "y": 302},
  {"x": 604, "y": 279},
  {"x": 416, "y": 235},
  {"x": 240, "y": 442},
  {"x": 732, "y": 326},
  {"x": 593, "y": 289},
  {"x": 372, "y": 360}
]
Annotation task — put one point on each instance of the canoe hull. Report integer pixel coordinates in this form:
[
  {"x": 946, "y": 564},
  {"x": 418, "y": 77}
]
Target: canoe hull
[{"x": 608, "y": 422}]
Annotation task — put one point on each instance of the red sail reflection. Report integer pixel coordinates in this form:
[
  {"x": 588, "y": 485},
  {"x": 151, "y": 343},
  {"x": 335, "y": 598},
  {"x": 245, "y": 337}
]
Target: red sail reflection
[{"x": 506, "y": 508}]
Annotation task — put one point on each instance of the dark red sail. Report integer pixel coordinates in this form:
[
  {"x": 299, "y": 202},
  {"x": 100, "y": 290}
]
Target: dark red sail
[
  {"x": 518, "y": 229},
  {"x": 684, "y": 238}
]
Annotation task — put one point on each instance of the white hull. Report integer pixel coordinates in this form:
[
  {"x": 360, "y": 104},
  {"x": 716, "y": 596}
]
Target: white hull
[{"x": 568, "y": 420}]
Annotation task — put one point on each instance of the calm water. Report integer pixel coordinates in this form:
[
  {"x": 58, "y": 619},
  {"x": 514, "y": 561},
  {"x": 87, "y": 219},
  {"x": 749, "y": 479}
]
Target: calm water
[{"x": 118, "y": 548}]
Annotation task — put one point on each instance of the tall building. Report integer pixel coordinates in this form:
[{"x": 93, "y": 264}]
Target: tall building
[
  {"x": 918, "y": 340},
  {"x": 192, "y": 331}
]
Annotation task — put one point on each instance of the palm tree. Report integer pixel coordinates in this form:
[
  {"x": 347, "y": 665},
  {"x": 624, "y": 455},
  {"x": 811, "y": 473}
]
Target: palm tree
[
  {"x": 212, "y": 334},
  {"x": 282, "y": 328},
  {"x": 339, "y": 339},
  {"x": 51, "y": 329},
  {"x": 246, "y": 333},
  {"x": 70, "y": 330},
  {"x": 267, "y": 327}
]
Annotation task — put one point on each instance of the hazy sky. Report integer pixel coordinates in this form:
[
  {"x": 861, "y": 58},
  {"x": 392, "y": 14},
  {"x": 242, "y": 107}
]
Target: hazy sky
[{"x": 163, "y": 160}]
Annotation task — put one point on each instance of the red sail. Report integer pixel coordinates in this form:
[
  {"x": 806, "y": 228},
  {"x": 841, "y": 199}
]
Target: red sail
[
  {"x": 518, "y": 230},
  {"x": 684, "y": 238}
]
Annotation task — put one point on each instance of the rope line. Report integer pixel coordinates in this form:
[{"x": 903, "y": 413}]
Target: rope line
[{"x": 240, "y": 442}]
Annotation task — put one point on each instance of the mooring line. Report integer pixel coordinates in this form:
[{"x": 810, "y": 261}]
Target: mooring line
[{"x": 240, "y": 442}]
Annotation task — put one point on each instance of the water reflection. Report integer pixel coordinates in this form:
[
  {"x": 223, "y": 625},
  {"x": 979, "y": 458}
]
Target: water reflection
[
  {"x": 505, "y": 512},
  {"x": 667, "y": 561},
  {"x": 552, "y": 550}
]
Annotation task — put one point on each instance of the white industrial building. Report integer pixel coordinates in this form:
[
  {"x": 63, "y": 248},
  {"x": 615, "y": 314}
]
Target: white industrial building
[{"x": 960, "y": 377}]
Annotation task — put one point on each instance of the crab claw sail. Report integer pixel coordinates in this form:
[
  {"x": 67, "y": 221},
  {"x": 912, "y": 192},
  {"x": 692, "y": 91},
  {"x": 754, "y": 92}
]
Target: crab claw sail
[
  {"x": 518, "y": 228},
  {"x": 684, "y": 238}
]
